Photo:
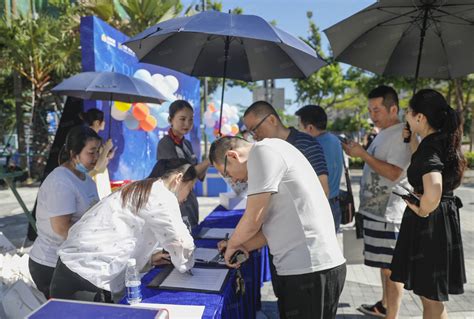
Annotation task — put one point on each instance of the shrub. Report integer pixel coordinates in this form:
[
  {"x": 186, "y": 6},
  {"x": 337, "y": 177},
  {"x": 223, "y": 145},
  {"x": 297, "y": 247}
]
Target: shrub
[
  {"x": 470, "y": 159},
  {"x": 356, "y": 162}
]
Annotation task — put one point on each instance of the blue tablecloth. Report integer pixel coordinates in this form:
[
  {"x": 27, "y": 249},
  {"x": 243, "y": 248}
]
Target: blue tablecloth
[
  {"x": 70, "y": 309},
  {"x": 226, "y": 304}
]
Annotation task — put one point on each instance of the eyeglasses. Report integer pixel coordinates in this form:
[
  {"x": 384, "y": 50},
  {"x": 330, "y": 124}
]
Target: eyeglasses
[
  {"x": 252, "y": 131},
  {"x": 225, "y": 167}
]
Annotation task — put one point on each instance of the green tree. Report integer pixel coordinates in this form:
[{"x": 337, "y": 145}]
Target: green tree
[
  {"x": 327, "y": 86},
  {"x": 41, "y": 50},
  {"x": 133, "y": 16}
]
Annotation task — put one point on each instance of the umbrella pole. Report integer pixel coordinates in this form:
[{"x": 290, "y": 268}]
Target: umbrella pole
[
  {"x": 226, "y": 54},
  {"x": 110, "y": 120},
  {"x": 420, "y": 49}
]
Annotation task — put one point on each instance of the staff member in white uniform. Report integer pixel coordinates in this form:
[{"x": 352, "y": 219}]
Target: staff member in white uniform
[
  {"x": 127, "y": 224},
  {"x": 288, "y": 209},
  {"x": 65, "y": 195}
]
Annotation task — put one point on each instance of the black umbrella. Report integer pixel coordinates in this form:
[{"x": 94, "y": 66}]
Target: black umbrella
[
  {"x": 109, "y": 86},
  {"x": 410, "y": 38},
  {"x": 216, "y": 44}
]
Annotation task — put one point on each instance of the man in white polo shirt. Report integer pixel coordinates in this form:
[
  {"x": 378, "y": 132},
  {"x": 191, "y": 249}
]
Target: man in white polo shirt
[{"x": 284, "y": 211}]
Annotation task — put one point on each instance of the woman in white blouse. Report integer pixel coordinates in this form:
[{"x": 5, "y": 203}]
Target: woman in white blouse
[{"x": 127, "y": 224}]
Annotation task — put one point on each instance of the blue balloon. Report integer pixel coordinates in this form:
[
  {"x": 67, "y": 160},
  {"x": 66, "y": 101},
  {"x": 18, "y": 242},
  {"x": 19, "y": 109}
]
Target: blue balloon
[
  {"x": 155, "y": 110},
  {"x": 162, "y": 120},
  {"x": 216, "y": 115},
  {"x": 209, "y": 130},
  {"x": 165, "y": 106},
  {"x": 131, "y": 123}
]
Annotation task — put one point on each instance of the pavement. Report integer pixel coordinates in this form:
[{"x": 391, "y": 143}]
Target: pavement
[{"x": 362, "y": 283}]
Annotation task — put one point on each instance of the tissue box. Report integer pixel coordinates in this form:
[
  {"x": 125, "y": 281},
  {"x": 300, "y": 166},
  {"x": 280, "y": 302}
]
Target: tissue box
[{"x": 231, "y": 201}]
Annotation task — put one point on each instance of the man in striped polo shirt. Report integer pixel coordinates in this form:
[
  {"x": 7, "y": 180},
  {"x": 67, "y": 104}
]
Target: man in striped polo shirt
[
  {"x": 386, "y": 161},
  {"x": 262, "y": 121}
]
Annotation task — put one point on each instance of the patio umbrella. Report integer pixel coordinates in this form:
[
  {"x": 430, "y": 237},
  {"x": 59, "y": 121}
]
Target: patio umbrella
[
  {"x": 410, "y": 38},
  {"x": 109, "y": 86},
  {"x": 216, "y": 44}
]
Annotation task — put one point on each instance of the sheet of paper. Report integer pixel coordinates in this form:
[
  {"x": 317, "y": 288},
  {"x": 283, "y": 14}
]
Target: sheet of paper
[
  {"x": 216, "y": 233},
  {"x": 176, "y": 311},
  {"x": 209, "y": 279},
  {"x": 207, "y": 255}
]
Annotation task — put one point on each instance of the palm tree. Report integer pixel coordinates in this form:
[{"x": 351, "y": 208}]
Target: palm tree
[
  {"x": 133, "y": 16},
  {"x": 41, "y": 50}
]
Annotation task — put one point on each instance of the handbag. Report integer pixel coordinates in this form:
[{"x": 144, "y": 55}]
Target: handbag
[{"x": 346, "y": 200}]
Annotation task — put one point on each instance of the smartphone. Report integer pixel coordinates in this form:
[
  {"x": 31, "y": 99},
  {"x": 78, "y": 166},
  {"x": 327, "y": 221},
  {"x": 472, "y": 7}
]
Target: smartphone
[
  {"x": 410, "y": 191},
  {"x": 409, "y": 198},
  {"x": 407, "y": 139},
  {"x": 343, "y": 139}
]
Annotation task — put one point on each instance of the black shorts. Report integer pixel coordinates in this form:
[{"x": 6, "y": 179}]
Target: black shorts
[{"x": 311, "y": 296}]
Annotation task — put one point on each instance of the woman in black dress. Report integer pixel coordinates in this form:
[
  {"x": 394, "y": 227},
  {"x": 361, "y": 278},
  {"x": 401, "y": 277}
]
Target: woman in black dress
[
  {"x": 428, "y": 257},
  {"x": 175, "y": 145}
]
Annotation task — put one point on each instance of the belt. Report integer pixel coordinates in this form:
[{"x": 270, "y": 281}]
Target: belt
[{"x": 457, "y": 200}]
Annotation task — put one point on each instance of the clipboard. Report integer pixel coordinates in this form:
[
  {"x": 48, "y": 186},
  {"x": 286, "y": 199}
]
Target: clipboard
[
  {"x": 201, "y": 256},
  {"x": 215, "y": 233},
  {"x": 160, "y": 280}
]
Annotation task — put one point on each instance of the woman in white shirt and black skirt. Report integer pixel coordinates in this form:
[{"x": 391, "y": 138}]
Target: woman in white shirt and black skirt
[{"x": 127, "y": 224}]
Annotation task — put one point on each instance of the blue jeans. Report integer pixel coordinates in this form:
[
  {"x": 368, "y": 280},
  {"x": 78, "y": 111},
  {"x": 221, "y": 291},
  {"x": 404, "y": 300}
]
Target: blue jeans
[{"x": 336, "y": 211}]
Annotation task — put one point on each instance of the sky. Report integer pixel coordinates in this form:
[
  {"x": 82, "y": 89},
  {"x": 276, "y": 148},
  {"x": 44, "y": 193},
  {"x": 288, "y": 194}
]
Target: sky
[{"x": 290, "y": 15}]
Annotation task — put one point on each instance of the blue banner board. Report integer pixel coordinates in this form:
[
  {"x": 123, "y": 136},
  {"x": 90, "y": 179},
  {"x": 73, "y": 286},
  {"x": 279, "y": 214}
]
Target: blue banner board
[{"x": 102, "y": 50}]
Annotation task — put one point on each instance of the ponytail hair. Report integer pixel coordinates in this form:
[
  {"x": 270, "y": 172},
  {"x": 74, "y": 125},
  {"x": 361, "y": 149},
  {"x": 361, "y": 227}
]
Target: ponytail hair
[
  {"x": 137, "y": 193},
  {"x": 92, "y": 115},
  {"x": 76, "y": 140},
  {"x": 164, "y": 168},
  {"x": 446, "y": 120}
]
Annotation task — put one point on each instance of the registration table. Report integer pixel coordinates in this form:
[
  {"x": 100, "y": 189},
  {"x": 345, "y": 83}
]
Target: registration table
[{"x": 227, "y": 303}]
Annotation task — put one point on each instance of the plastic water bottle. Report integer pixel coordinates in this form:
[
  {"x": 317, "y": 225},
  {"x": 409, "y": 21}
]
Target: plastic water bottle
[{"x": 132, "y": 283}]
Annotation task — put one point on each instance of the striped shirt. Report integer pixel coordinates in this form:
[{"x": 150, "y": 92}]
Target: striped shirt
[{"x": 310, "y": 148}]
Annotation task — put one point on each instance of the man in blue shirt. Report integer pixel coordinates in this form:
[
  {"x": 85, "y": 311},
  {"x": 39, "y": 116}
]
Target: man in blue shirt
[
  {"x": 312, "y": 119},
  {"x": 262, "y": 121}
]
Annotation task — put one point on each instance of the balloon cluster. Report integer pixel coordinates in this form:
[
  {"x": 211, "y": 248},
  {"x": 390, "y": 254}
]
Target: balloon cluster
[
  {"x": 230, "y": 118},
  {"x": 141, "y": 116}
]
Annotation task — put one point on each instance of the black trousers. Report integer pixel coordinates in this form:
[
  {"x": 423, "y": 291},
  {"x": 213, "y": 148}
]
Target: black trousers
[
  {"x": 66, "y": 284},
  {"x": 311, "y": 296},
  {"x": 41, "y": 275}
]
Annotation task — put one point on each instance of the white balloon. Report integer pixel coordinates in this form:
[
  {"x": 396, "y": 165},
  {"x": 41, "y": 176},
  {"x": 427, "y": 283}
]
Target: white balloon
[
  {"x": 226, "y": 129},
  {"x": 131, "y": 122},
  {"x": 172, "y": 82},
  {"x": 207, "y": 114},
  {"x": 233, "y": 119},
  {"x": 209, "y": 122},
  {"x": 167, "y": 85},
  {"x": 117, "y": 114},
  {"x": 143, "y": 75}
]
